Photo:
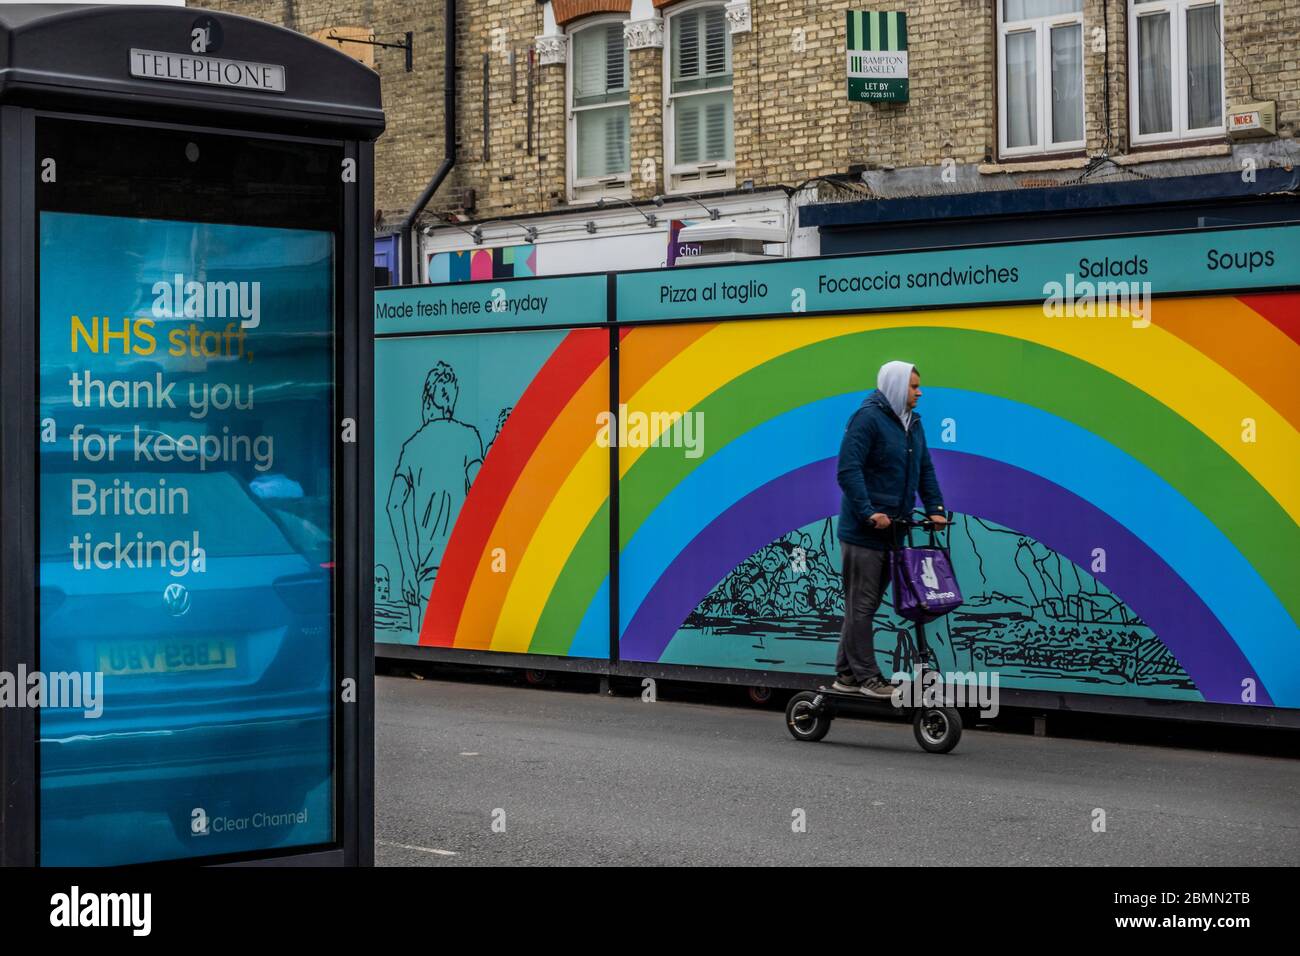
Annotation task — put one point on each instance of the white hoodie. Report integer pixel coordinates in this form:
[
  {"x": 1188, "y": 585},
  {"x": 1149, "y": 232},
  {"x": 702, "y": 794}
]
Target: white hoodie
[{"x": 894, "y": 380}]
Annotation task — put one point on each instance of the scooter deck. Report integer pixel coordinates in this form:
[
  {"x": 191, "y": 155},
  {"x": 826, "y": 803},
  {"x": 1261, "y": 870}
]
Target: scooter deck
[
  {"x": 851, "y": 694},
  {"x": 854, "y": 699}
]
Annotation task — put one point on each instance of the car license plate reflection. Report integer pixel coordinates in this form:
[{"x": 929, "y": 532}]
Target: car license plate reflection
[{"x": 166, "y": 657}]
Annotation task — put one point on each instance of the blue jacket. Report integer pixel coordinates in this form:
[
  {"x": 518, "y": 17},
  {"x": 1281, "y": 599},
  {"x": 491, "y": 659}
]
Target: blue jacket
[{"x": 882, "y": 469}]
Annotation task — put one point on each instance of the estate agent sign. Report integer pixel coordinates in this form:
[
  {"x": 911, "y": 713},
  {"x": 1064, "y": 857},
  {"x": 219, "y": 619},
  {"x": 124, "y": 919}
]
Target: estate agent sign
[{"x": 877, "y": 52}]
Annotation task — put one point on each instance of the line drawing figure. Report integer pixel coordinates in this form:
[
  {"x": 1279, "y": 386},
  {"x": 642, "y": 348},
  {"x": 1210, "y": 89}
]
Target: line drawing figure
[
  {"x": 434, "y": 471},
  {"x": 501, "y": 423}
]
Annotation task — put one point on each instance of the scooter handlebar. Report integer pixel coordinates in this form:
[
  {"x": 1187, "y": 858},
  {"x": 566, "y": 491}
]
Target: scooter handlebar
[{"x": 924, "y": 523}]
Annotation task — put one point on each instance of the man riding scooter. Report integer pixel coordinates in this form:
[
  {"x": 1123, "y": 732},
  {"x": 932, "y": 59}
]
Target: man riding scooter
[{"x": 884, "y": 464}]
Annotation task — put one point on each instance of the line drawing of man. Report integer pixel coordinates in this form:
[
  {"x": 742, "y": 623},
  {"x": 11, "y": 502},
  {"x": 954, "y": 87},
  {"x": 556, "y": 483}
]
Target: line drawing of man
[
  {"x": 501, "y": 423},
  {"x": 434, "y": 471}
]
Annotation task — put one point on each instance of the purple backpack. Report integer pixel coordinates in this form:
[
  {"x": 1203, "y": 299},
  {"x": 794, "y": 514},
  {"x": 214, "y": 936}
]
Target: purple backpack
[{"x": 925, "y": 586}]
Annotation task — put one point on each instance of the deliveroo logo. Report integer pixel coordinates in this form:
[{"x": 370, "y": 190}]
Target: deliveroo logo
[{"x": 928, "y": 577}]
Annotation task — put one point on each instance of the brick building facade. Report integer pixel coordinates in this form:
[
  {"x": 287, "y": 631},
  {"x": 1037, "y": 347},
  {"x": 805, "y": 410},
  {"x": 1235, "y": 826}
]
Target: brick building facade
[{"x": 520, "y": 96}]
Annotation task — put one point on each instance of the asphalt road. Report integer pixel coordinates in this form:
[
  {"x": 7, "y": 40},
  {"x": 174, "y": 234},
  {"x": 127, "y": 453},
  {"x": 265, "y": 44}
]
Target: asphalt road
[{"x": 578, "y": 778}]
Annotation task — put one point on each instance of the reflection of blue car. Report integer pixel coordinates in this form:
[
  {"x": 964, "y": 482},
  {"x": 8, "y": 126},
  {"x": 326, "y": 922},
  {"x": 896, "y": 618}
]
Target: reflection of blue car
[{"x": 217, "y": 682}]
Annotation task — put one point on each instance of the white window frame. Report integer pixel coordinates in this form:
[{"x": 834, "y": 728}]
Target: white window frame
[
  {"x": 711, "y": 174},
  {"x": 1177, "y": 10},
  {"x": 1042, "y": 28},
  {"x": 591, "y": 188}
]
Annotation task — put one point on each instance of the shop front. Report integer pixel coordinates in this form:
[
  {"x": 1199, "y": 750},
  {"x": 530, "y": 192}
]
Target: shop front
[{"x": 1113, "y": 421}]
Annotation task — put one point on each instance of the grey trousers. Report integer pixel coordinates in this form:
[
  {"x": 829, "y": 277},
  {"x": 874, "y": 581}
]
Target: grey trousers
[{"x": 866, "y": 575}]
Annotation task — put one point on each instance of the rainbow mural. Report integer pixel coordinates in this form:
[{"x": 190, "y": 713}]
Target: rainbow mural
[
  {"x": 1156, "y": 465},
  {"x": 533, "y": 531}
]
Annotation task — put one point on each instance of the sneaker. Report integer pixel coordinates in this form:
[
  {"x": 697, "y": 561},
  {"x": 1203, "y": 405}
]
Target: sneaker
[
  {"x": 846, "y": 684},
  {"x": 876, "y": 687}
]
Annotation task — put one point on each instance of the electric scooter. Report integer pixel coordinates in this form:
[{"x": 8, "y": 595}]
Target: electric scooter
[{"x": 938, "y": 729}]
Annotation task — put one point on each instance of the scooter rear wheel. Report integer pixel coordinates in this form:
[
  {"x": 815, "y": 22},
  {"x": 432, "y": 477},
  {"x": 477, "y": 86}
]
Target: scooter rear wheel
[
  {"x": 937, "y": 729},
  {"x": 806, "y": 720}
]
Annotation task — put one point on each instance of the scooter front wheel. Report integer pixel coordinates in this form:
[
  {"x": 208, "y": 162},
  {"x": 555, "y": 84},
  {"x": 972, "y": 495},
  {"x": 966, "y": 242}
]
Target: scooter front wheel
[
  {"x": 937, "y": 729},
  {"x": 804, "y": 717}
]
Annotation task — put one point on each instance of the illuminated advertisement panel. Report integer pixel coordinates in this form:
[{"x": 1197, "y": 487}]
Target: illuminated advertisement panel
[{"x": 186, "y": 541}]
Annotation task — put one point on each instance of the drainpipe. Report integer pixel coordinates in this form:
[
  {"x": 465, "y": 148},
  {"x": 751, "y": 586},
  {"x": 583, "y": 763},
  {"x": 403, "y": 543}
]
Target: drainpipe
[{"x": 408, "y": 245}]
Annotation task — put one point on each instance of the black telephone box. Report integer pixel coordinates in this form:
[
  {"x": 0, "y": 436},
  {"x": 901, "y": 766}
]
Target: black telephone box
[{"x": 186, "y": 664}]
